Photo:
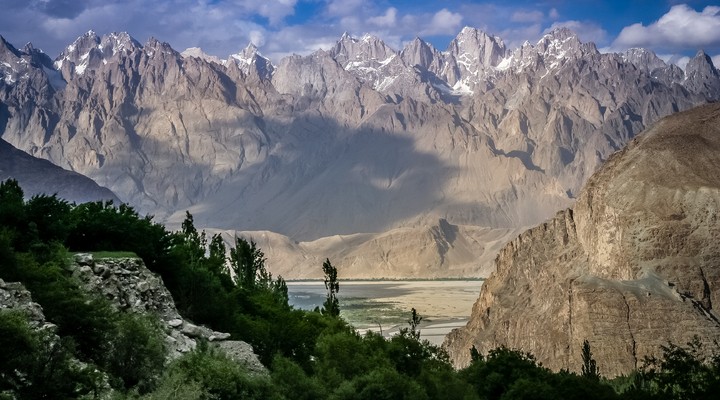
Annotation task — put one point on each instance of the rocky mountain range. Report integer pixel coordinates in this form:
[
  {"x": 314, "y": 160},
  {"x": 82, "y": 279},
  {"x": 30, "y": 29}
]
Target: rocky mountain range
[
  {"x": 425, "y": 161},
  {"x": 631, "y": 267}
]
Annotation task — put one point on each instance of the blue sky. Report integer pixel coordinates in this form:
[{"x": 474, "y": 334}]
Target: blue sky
[{"x": 281, "y": 27}]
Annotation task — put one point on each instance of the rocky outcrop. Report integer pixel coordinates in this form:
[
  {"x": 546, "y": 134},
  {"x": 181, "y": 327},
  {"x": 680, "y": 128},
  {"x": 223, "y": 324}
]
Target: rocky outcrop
[
  {"x": 14, "y": 296},
  {"x": 634, "y": 265},
  {"x": 131, "y": 287}
]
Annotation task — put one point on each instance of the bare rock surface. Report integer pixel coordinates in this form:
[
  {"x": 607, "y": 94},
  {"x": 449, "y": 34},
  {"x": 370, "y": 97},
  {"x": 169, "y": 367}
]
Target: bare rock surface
[
  {"x": 14, "y": 296},
  {"x": 131, "y": 287},
  {"x": 634, "y": 265}
]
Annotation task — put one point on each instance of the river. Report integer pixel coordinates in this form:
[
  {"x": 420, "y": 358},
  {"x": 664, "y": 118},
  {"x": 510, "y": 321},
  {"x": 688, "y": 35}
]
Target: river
[{"x": 385, "y": 306}]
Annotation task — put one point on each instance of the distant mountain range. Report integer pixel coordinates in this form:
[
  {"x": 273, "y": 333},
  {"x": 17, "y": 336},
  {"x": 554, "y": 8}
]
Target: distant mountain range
[{"x": 411, "y": 163}]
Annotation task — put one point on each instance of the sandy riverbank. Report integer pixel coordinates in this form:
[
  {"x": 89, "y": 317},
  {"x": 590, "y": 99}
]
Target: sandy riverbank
[{"x": 385, "y": 305}]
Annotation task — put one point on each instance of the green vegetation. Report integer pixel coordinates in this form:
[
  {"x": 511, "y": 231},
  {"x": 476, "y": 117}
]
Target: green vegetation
[
  {"x": 96, "y": 351},
  {"x": 331, "y": 306},
  {"x": 112, "y": 254}
]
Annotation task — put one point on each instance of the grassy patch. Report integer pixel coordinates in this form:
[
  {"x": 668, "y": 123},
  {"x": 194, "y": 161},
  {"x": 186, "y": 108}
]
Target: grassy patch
[
  {"x": 113, "y": 254},
  {"x": 361, "y": 312}
]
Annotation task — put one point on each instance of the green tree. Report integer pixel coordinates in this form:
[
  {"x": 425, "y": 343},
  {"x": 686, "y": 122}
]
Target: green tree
[
  {"x": 219, "y": 377},
  {"x": 475, "y": 354},
  {"x": 50, "y": 217},
  {"x": 380, "y": 384},
  {"x": 682, "y": 373},
  {"x": 414, "y": 323},
  {"x": 495, "y": 374},
  {"x": 37, "y": 364},
  {"x": 12, "y": 211},
  {"x": 589, "y": 367},
  {"x": 331, "y": 305},
  {"x": 248, "y": 264},
  {"x": 292, "y": 382},
  {"x": 137, "y": 352}
]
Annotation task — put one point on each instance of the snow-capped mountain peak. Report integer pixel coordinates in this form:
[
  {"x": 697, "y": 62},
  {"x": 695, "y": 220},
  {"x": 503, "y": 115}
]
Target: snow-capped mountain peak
[
  {"x": 366, "y": 57},
  {"x": 251, "y": 61},
  {"x": 197, "y": 52},
  {"x": 92, "y": 51}
]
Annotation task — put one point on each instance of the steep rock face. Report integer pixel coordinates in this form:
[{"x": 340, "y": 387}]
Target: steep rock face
[
  {"x": 14, "y": 296},
  {"x": 470, "y": 56},
  {"x": 633, "y": 265},
  {"x": 131, "y": 287},
  {"x": 652, "y": 64},
  {"x": 251, "y": 63},
  {"x": 360, "y": 139},
  {"x": 702, "y": 76},
  {"x": 422, "y": 54}
]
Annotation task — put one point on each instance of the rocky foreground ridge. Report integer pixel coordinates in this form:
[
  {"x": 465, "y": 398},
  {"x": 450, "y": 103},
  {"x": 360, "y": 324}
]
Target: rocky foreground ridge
[
  {"x": 131, "y": 287},
  {"x": 635, "y": 263},
  {"x": 359, "y": 139}
]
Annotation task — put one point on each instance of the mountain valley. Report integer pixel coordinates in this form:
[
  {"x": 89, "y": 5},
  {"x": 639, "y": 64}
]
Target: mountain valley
[{"x": 411, "y": 163}]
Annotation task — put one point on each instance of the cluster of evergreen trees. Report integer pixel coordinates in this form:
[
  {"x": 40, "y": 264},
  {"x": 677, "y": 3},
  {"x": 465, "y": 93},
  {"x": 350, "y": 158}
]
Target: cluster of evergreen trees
[{"x": 309, "y": 354}]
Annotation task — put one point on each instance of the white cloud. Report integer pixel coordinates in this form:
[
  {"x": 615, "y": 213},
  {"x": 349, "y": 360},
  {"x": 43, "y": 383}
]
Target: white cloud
[
  {"x": 587, "y": 31},
  {"x": 527, "y": 16},
  {"x": 443, "y": 22},
  {"x": 677, "y": 59},
  {"x": 554, "y": 14},
  {"x": 716, "y": 60},
  {"x": 388, "y": 19},
  {"x": 680, "y": 28},
  {"x": 257, "y": 37},
  {"x": 217, "y": 29},
  {"x": 515, "y": 37},
  {"x": 339, "y": 8},
  {"x": 274, "y": 10},
  {"x": 300, "y": 39}
]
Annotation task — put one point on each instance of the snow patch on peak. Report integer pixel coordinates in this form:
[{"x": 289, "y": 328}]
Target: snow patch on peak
[
  {"x": 367, "y": 38},
  {"x": 55, "y": 78},
  {"x": 197, "y": 52},
  {"x": 505, "y": 63},
  {"x": 251, "y": 58}
]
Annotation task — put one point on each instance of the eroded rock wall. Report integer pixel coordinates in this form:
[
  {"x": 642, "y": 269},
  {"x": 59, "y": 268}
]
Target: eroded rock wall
[{"x": 633, "y": 266}]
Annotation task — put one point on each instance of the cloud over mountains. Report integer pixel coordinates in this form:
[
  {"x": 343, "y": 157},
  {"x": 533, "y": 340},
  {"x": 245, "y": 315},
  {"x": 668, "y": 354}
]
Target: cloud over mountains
[
  {"x": 680, "y": 28},
  {"x": 283, "y": 27}
]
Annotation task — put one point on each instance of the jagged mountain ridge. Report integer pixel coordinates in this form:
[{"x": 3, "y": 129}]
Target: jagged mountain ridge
[{"x": 358, "y": 139}]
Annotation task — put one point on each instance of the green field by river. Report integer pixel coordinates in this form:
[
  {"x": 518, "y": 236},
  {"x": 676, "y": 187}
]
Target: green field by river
[{"x": 385, "y": 305}]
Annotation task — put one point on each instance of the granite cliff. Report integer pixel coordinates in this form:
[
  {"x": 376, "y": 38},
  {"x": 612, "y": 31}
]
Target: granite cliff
[{"x": 635, "y": 264}]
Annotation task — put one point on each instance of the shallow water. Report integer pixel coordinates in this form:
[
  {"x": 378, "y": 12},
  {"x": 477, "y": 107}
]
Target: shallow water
[{"x": 385, "y": 305}]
